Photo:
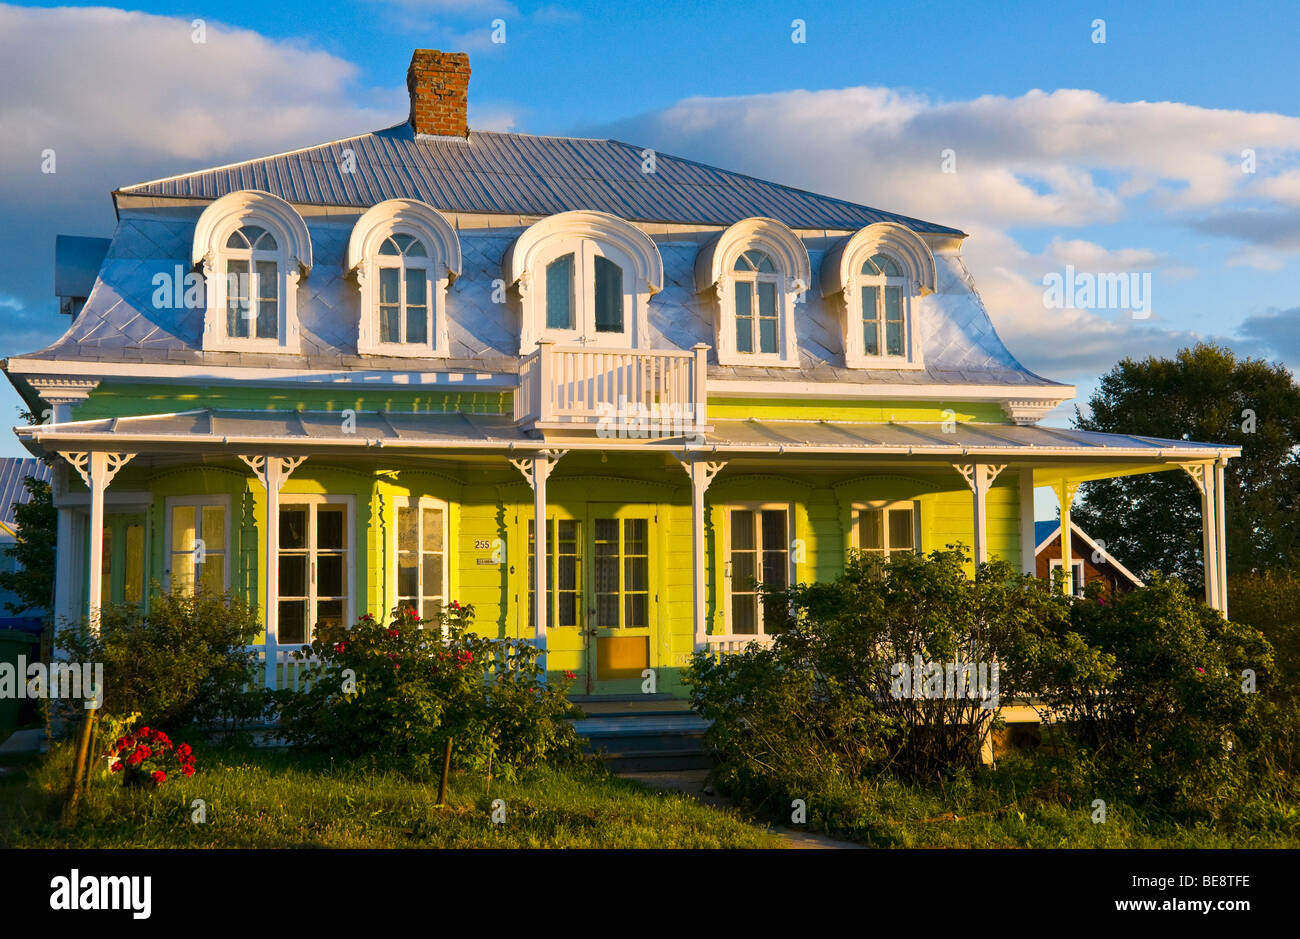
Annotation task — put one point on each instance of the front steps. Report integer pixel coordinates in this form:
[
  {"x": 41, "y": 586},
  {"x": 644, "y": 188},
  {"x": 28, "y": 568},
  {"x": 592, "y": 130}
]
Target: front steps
[{"x": 643, "y": 733}]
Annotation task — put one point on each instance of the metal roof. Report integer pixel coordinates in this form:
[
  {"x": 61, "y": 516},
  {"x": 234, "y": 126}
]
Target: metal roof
[
  {"x": 13, "y": 470},
  {"x": 293, "y": 430},
  {"x": 520, "y": 174}
]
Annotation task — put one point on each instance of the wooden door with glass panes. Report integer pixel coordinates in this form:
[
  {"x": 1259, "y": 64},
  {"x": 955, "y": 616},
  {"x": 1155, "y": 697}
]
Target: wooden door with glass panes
[
  {"x": 313, "y": 569},
  {"x": 421, "y": 557},
  {"x": 565, "y": 639},
  {"x": 758, "y": 554},
  {"x": 621, "y": 602}
]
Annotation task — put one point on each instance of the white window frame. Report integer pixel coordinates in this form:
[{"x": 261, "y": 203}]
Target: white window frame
[
  {"x": 757, "y": 508},
  {"x": 586, "y": 235},
  {"x": 293, "y": 257},
  {"x": 715, "y": 271},
  {"x": 1077, "y": 573},
  {"x": 198, "y": 503},
  {"x": 885, "y": 505},
  {"x": 290, "y": 500},
  {"x": 421, "y": 503},
  {"x": 442, "y": 265},
  {"x": 842, "y": 281}
]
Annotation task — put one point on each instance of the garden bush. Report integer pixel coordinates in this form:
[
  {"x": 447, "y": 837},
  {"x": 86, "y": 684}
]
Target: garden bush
[
  {"x": 397, "y": 692},
  {"x": 1270, "y": 602},
  {"x": 184, "y": 661}
]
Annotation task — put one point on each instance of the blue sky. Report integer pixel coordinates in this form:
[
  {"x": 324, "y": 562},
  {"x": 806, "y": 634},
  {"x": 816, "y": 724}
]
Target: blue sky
[{"x": 1123, "y": 156}]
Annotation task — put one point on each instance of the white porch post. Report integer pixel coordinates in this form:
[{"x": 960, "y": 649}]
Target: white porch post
[
  {"x": 1208, "y": 478},
  {"x": 1221, "y": 530},
  {"x": 701, "y": 473},
  {"x": 537, "y": 471},
  {"x": 979, "y": 477},
  {"x": 97, "y": 469},
  {"x": 271, "y": 471},
  {"x": 1028, "y": 541},
  {"x": 1065, "y": 491}
]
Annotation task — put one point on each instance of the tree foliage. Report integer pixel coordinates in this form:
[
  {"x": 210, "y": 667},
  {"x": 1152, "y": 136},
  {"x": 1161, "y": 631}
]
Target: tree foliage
[{"x": 1205, "y": 394}]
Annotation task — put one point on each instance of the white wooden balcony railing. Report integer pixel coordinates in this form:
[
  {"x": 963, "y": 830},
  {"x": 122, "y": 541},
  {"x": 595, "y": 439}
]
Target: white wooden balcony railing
[
  {"x": 730, "y": 643},
  {"x": 618, "y": 393}
]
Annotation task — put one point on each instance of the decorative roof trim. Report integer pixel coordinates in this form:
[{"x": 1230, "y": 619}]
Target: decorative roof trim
[
  {"x": 719, "y": 254},
  {"x": 844, "y": 260},
  {"x": 404, "y": 215},
  {"x": 250, "y": 205},
  {"x": 597, "y": 226}
]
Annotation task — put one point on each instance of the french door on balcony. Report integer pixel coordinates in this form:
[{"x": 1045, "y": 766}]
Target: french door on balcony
[
  {"x": 314, "y": 566},
  {"x": 601, "y": 601}
]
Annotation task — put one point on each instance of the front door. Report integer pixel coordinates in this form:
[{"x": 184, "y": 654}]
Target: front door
[
  {"x": 600, "y": 595},
  {"x": 621, "y": 602}
]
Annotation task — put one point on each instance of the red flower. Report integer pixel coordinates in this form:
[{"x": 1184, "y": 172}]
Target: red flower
[
  {"x": 1201, "y": 670},
  {"x": 394, "y": 633},
  {"x": 570, "y": 676},
  {"x": 183, "y": 751},
  {"x": 455, "y": 605},
  {"x": 145, "y": 751},
  {"x": 135, "y": 759},
  {"x": 116, "y": 767},
  {"x": 159, "y": 776},
  {"x": 188, "y": 769},
  {"x": 340, "y": 647}
]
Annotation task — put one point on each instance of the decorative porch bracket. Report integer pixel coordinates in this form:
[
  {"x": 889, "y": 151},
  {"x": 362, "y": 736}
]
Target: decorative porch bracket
[
  {"x": 272, "y": 472},
  {"x": 979, "y": 477},
  {"x": 1208, "y": 478},
  {"x": 97, "y": 469},
  {"x": 701, "y": 473},
  {"x": 1065, "y": 490},
  {"x": 537, "y": 470}
]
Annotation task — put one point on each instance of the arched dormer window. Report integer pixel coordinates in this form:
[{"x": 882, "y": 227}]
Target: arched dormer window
[
  {"x": 584, "y": 278},
  {"x": 404, "y": 255},
  {"x": 253, "y": 249},
  {"x": 877, "y": 277},
  {"x": 757, "y": 270}
]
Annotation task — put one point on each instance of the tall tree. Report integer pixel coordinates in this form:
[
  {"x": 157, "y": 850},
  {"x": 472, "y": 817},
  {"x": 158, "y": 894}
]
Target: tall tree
[
  {"x": 36, "y": 525},
  {"x": 1209, "y": 395}
]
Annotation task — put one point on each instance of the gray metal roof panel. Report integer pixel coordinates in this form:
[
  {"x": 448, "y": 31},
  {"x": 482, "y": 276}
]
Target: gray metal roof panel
[
  {"x": 521, "y": 174},
  {"x": 13, "y": 471}
]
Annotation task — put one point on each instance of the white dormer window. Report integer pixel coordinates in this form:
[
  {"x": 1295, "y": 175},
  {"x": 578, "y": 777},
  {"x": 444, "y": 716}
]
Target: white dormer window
[
  {"x": 404, "y": 255},
  {"x": 883, "y": 307},
  {"x": 758, "y": 322},
  {"x": 877, "y": 278},
  {"x": 757, "y": 271},
  {"x": 254, "y": 250},
  {"x": 252, "y": 284},
  {"x": 584, "y": 278}
]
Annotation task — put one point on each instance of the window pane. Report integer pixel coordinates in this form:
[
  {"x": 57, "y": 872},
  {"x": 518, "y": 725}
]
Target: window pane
[
  {"x": 293, "y": 575},
  {"x": 265, "y": 242},
  {"x": 637, "y": 610},
  {"x": 183, "y": 530},
  {"x": 214, "y": 528},
  {"x": 744, "y": 317},
  {"x": 237, "y": 240},
  {"x": 744, "y": 570},
  {"x": 390, "y": 323},
  {"x": 408, "y": 577},
  {"x": 293, "y": 527},
  {"x": 870, "y": 269},
  {"x": 767, "y": 317},
  {"x": 293, "y": 621},
  {"x": 893, "y": 321},
  {"x": 212, "y": 575},
  {"x": 329, "y": 614},
  {"x": 238, "y": 307},
  {"x": 744, "y": 613},
  {"x": 133, "y": 581},
  {"x": 887, "y": 265},
  {"x": 559, "y": 293},
  {"x": 432, "y": 529},
  {"x": 433, "y": 575},
  {"x": 389, "y": 247},
  {"x": 329, "y": 575},
  {"x": 329, "y": 528},
  {"x": 767, "y": 339},
  {"x": 870, "y": 321},
  {"x": 900, "y": 530},
  {"x": 870, "y": 530},
  {"x": 268, "y": 303},
  {"x": 742, "y": 530},
  {"x": 407, "y": 530},
  {"x": 609, "y": 296},
  {"x": 417, "y": 311}
]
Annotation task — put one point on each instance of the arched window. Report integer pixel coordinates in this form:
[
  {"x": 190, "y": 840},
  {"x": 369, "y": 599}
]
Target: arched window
[
  {"x": 254, "y": 249},
  {"x": 757, "y": 270},
  {"x": 404, "y": 255},
  {"x": 878, "y": 277},
  {"x": 584, "y": 277}
]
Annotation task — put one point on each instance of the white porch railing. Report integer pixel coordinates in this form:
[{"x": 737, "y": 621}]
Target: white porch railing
[
  {"x": 646, "y": 393},
  {"x": 731, "y": 643},
  {"x": 288, "y": 672}
]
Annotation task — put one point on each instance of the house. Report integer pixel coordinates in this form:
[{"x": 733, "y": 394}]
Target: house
[
  {"x": 355, "y": 374},
  {"x": 1089, "y": 559}
]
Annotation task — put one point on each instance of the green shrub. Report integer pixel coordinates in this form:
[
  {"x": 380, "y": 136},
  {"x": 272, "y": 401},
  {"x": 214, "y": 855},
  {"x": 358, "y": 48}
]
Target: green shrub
[
  {"x": 397, "y": 692},
  {"x": 183, "y": 661},
  {"x": 1168, "y": 722},
  {"x": 1270, "y": 602}
]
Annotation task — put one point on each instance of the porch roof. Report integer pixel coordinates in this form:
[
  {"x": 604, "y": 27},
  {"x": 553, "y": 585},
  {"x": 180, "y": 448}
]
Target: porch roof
[{"x": 210, "y": 431}]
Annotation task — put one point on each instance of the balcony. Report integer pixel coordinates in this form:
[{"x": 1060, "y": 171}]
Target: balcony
[{"x": 617, "y": 393}]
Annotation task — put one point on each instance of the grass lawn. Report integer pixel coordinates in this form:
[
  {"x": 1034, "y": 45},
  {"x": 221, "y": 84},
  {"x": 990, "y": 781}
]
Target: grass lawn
[
  {"x": 280, "y": 798},
  {"x": 1020, "y": 805}
]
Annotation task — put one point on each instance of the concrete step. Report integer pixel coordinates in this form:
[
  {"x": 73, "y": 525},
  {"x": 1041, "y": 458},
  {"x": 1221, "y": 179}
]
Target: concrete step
[
  {"x": 661, "y": 761},
  {"x": 647, "y": 741}
]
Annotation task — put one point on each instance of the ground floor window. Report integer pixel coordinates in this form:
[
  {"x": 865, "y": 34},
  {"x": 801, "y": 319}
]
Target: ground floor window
[
  {"x": 421, "y": 555},
  {"x": 313, "y": 567},
  {"x": 563, "y": 572},
  {"x": 621, "y": 571},
  {"x": 123, "y": 581},
  {"x": 882, "y": 529},
  {"x": 758, "y": 552},
  {"x": 198, "y": 538}
]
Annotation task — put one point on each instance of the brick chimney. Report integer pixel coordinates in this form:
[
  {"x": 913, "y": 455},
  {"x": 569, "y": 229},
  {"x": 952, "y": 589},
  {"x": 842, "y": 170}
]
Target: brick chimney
[{"x": 439, "y": 87}]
